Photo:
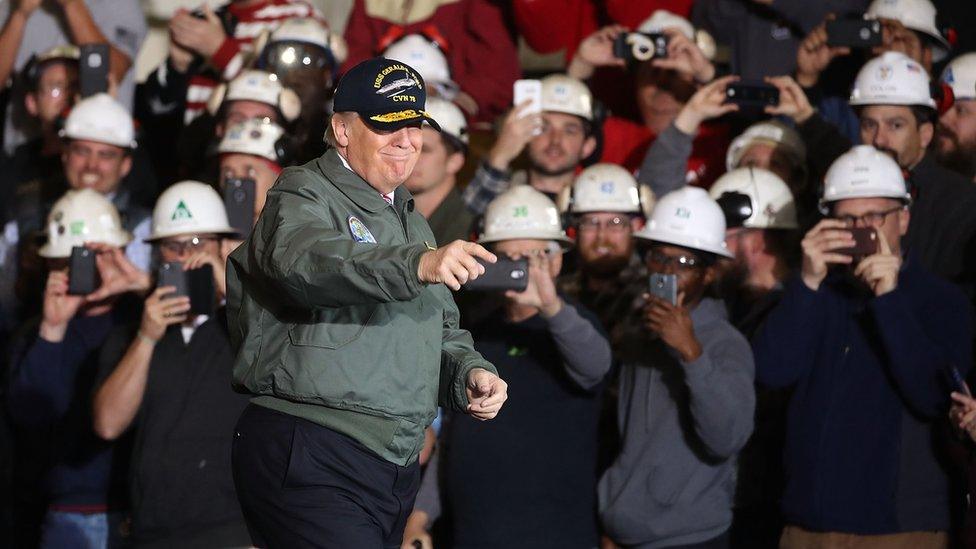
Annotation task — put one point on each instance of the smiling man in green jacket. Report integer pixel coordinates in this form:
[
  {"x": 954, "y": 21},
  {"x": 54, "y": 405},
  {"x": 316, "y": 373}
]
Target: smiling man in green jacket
[{"x": 346, "y": 331}]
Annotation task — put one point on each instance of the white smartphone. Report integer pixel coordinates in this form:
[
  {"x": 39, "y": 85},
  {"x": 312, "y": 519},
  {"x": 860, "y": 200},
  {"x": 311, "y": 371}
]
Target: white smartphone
[{"x": 528, "y": 90}]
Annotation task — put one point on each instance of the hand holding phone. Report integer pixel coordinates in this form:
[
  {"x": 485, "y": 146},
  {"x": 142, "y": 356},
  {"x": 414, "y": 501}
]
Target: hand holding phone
[
  {"x": 640, "y": 46},
  {"x": 197, "y": 284},
  {"x": 664, "y": 286},
  {"x": 865, "y": 242},
  {"x": 93, "y": 69},
  {"x": 83, "y": 276},
  {"x": 239, "y": 196},
  {"x": 854, "y": 33},
  {"x": 528, "y": 90},
  {"x": 752, "y": 94},
  {"x": 504, "y": 274}
]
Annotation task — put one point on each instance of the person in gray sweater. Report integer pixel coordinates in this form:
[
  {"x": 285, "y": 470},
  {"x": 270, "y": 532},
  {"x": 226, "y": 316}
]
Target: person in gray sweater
[{"x": 686, "y": 393}]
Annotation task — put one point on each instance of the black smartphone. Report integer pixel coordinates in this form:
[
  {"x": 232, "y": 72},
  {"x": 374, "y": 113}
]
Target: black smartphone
[
  {"x": 171, "y": 274},
  {"x": 854, "y": 33},
  {"x": 239, "y": 202},
  {"x": 83, "y": 277},
  {"x": 93, "y": 69},
  {"x": 504, "y": 274},
  {"x": 664, "y": 286},
  {"x": 200, "y": 288},
  {"x": 865, "y": 242},
  {"x": 957, "y": 381},
  {"x": 640, "y": 46},
  {"x": 752, "y": 94}
]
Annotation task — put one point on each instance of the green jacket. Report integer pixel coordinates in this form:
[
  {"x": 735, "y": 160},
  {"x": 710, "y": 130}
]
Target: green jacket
[{"x": 338, "y": 331}]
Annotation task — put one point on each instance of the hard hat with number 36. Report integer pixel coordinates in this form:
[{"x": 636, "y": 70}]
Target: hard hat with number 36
[
  {"x": 689, "y": 218},
  {"x": 80, "y": 216},
  {"x": 523, "y": 213}
]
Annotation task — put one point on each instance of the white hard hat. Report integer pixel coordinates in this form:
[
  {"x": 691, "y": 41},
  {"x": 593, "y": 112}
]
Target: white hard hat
[
  {"x": 102, "y": 119},
  {"x": 523, "y": 212},
  {"x": 892, "y": 78},
  {"x": 80, "y": 216},
  {"x": 771, "y": 204},
  {"x": 423, "y": 55},
  {"x": 960, "y": 75},
  {"x": 63, "y": 51},
  {"x": 863, "y": 172},
  {"x": 606, "y": 188},
  {"x": 561, "y": 93},
  {"x": 664, "y": 19},
  {"x": 256, "y": 137},
  {"x": 771, "y": 132},
  {"x": 259, "y": 86},
  {"x": 687, "y": 217},
  {"x": 189, "y": 207},
  {"x": 311, "y": 31},
  {"x": 918, "y": 15},
  {"x": 449, "y": 117}
]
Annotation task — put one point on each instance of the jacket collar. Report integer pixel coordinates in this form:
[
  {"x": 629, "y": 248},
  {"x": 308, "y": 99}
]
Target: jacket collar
[{"x": 355, "y": 187}]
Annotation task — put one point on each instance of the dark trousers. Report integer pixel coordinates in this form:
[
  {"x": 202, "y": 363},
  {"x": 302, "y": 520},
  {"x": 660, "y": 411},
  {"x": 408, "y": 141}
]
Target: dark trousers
[{"x": 304, "y": 485}]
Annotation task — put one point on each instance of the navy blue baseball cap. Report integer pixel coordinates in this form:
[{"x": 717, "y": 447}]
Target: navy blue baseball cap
[{"x": 388, "y": 94}]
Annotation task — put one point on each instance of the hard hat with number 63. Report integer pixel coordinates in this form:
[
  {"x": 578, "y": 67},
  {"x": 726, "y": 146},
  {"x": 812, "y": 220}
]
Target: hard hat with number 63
[
  {"x": 863, "y": 172},
  {"x": 892, "y": 78},
  {"x": 689, "y": 218},
  {"x": 102, "y": 119},
  {"x": 561, "y": 93},
  {"x": 189, "y": 207},
  {"x": 523, "y": 213},
  {"x": 960, "y": 75},
  {"x": 80, "y": 216},
  {"x": 754, "y": 198},
  {"x": 917, "y": 15},
  {"x": 606, "y": 188}
]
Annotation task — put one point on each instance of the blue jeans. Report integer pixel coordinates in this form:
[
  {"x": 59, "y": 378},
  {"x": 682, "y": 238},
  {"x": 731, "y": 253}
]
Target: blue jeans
[{"x": 63, "y": 530}]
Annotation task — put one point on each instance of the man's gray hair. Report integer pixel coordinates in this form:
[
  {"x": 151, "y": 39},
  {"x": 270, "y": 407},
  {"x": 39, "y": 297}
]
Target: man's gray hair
[{"x": 330, "y": 136}]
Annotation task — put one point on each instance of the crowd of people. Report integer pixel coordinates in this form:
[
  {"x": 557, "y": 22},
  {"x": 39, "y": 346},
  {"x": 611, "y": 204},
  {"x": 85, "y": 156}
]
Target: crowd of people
[{"x": 741, "y": 321}]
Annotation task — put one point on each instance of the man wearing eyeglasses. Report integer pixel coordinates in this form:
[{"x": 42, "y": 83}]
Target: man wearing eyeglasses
[
  {"x": 686, "y": 391},
  {"x": 554, "y": 350},
  {"x": 867, "y": 338},
  {"x": 607, "y": 206},
  {"x": 168, "y": 380}
]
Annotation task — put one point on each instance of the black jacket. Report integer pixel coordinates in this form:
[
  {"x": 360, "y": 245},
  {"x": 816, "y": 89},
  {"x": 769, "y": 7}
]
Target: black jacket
[{"x": 942, "y": 231}]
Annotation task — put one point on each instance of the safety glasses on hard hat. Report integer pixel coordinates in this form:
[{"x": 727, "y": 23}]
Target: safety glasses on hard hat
[{"x": 286, "y": 56}]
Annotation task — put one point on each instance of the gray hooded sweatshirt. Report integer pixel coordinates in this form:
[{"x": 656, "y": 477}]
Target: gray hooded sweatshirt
[{"x": 682, "y": 425}]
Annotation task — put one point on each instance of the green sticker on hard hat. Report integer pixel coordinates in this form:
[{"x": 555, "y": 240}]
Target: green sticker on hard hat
[
  {"x": 181, "y": 212},
  {"x": 683, "y": 213},
  {"x": 76, "y": 228},
  {"x": 521, "y": 211}
]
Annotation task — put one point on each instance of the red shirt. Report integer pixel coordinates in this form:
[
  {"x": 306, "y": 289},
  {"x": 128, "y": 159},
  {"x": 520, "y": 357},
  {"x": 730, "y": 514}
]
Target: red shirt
[
  {"x": 626, "y": 142},
  {"x": 481, "y": 53}
]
